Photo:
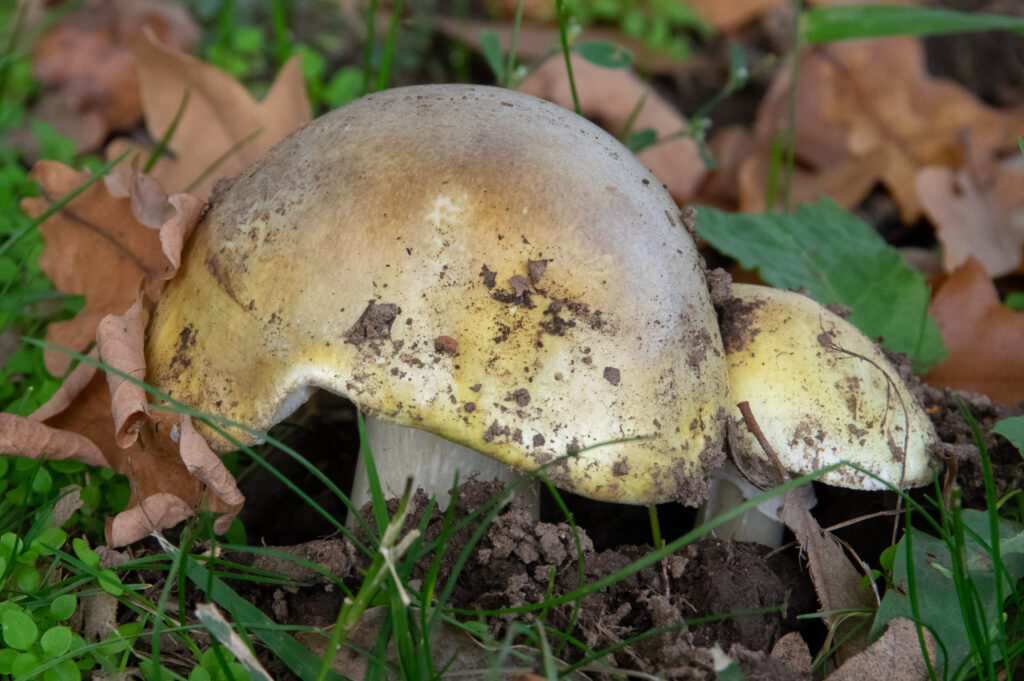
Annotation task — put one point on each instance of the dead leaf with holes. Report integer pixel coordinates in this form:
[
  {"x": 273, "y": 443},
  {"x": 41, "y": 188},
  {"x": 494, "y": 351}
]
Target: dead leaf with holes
[
  {"x": 983, "y": 337},
  {"x": 222, "y": 129},
  {"x": 86, "y": 66},
  {"x": 978, "y": 212},
  {"x": 609, "y": 97},
  {"x": 104, "y": 419},
  {"x": 861, "y": 99}
]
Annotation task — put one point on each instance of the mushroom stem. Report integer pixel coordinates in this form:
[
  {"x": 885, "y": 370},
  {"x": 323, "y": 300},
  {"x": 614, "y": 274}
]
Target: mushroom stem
[
  {"x": 400, "y": 452},
  {"x": 760, "y": 524}
]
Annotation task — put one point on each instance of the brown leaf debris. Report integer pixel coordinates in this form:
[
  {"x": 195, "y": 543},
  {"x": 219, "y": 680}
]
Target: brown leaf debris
[
  {"x": 222, "y": 129},
  {"x": 87, "y": 68},
  {"x": 983, "y": 337}
]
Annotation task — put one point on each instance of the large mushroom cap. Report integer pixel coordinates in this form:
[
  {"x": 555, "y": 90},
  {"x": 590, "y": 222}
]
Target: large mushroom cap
[
  {"x": 822, "y": 392},
  {"x": 465, "y": 260}
]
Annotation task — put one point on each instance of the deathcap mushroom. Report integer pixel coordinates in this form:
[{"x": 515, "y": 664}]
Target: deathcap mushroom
[
  {"x": 467, "y": 261},
  {"x": 821, "y": 392}
]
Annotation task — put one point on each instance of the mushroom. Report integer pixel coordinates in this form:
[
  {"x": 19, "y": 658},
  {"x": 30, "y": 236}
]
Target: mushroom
[
  {"x": 821, "y": 392},
  {"x": 467, "y": 261}
]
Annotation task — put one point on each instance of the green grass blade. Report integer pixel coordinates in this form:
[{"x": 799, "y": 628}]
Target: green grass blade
[
  {"x": 828, "y": 24},
  {"x": 300, "y": 660}
]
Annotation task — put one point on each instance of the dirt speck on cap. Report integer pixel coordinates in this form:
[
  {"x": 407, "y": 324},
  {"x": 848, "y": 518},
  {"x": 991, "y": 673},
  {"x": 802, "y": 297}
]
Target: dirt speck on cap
[
  {"x": 537, "y": 268},
  {"x": 519, "y": 285},
  {"x": 488, "y": 276},
  {"x": 446, "y": 345},
  {"x": 612, "y": 375},
  {"x": 738, "y": 322},
  {"x": 719, "y": 285},
  {"x": 374, "y": 323}
]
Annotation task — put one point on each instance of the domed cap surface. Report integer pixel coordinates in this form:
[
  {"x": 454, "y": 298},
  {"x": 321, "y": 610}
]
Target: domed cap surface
[
  {"x": 465, "y": 260},
  {"x": 822, "y": 392}
]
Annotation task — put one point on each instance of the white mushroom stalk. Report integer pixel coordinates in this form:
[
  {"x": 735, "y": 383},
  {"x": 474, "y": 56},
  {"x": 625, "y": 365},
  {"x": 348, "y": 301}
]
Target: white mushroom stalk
[{"x": 467, "y": 261}]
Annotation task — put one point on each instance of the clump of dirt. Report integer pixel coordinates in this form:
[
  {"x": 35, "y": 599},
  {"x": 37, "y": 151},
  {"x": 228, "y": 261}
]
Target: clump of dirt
[
  {"x": 520, "y": 562},
  {"x": 374, "y": 323},
  {"x": 736, "y": 320}
]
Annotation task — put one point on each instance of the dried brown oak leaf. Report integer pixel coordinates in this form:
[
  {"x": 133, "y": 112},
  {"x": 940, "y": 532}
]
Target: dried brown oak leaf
[
  {"x": 982, "y": 335},
  {"x": 222, "y": 129},
  {"x": 94, "y": 247},
  {"x": 978, "y": 211},
  {"x": 87, "y": 69},
  {"x": 895, "y": 655},
  {"x": 836, "y": 581},
  {"x": 103, "y": 420},
  {"x": 871, "y": 108},
  {"x": 609, "y": 97}
]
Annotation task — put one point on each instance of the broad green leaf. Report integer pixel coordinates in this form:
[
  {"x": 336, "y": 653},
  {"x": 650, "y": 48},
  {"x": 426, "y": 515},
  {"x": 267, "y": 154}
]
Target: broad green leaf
[
  {"x": 63, "y": 606},
  {"x": 604, "y": 53},
  {"x": 838, "y": 258},
  {"x": 1012, "y": 430},
  {"x": 85, "y": 553},
  {"x": 19, "y": 629},
  {"x": 826, "y": 24},
  {"x": 939, "y": 597},
  {"x": 55, "y": 641}
]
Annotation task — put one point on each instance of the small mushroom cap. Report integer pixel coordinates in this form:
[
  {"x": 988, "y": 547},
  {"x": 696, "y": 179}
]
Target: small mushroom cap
[
  {"x": 466, "y": 260},
  {"x": 822, "y": 392}
]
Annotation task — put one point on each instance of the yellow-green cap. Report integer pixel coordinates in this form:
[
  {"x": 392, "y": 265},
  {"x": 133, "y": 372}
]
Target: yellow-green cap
[
  {"x": 466, "y": 260},
  {"x": 822, "y": 392}
]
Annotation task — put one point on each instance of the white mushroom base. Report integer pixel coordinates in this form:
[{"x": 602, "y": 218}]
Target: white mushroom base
[
  {"x": 760, "y": 524},
  {"x": 432, "y": 461}
]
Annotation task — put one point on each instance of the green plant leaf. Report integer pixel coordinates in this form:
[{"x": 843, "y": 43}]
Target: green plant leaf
[
  {"x": 490, "y": 45},
  {"x": 19, "y": 629},
  {"x": 1015, "y": 300},
  {"x": 839, "y": 259},
  {"x": 827, "y": 24},
  {"x": 641, "y": 139},
  {"x": 55, "y": 641},
  {"x": 63, "y": 606},
  {"x": 1012, "y": 430},
  {"x": 84, "y": 553},
  {"x": 604, "y": 53},
  {"x": 938, "y": 603}
]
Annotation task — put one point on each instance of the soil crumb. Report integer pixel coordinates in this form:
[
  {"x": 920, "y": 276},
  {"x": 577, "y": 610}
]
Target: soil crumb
[{"x": 374, "y": 323}]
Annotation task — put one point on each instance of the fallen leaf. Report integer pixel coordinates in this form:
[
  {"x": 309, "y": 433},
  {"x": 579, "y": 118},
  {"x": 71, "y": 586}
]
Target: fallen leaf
[
  {"x": 22, "y": 437},
  {"x": 983, "y": 337},
  {"x": 96, "y": 248},
  {"x": 536, "y": 41},
  {"x": 859, "y": 98},
  {"x": 836, "y": 581},
  {"x": 895, "y": 655},
  {"x": 87, "y": 69},
  {"x": 978, "y": 212},
  {"x": 104, "y": 420},
  {"x": 729, "y": 16},
  {"x": 609, "y": 97},
  {"x": 222, "y": 129}
]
